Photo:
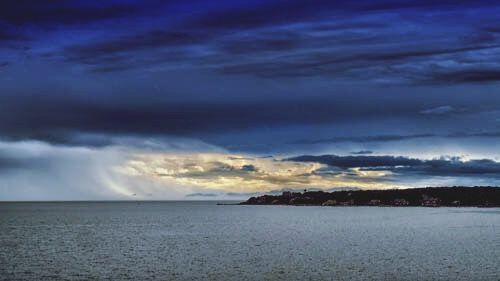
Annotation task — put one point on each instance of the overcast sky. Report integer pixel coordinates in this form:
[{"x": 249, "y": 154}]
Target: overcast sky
[{"x": 150, "y": 99}]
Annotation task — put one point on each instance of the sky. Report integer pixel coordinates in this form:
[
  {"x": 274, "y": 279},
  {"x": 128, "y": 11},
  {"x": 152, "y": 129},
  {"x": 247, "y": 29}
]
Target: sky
[{"x": 175, "y": 100}]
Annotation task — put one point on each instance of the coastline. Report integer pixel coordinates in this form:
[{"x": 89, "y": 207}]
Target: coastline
[{"x": 485, "y": 197}]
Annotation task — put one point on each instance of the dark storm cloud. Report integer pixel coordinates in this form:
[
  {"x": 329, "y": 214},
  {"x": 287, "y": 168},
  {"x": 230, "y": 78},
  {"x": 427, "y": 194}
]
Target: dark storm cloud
[
  {"x": 249, "y": 168},
  {"x": 282, "y": 39},
  {"x": 440, "y": 110},
  {"x": 122, "y": 76},
  {"x": 121, "y": 62},
  {"x": 425, "y": 4},
  {"x": 490, "y": 134},
  {"x": 477, "y": 75},
  {"x": 361, "y": 152},
  {"x": 59, "y": 119},
  {"x": 11, "y": 161},
  {"x": 454, "y": 167},
  {"x": 357, "y": 161},
  {"x": 445, "y": 167},
  {"x": 7, "y": 35},
  {"x": 7, "y": 163},
  {"x": 365, "y": 139},
  {"x": 492, "y": 28},
  {"x": 226, "y": 52},
  {"x": 257, "y": 45},
  {"x": 487, "y": 134},
  {"x": 121, "y": 54},
  {"x": 355, "y": 40},
  {"x": 33, "y": 12},
  {"x": 151, "y": 39},
  {"x": 247, "y": 17},
  {"x": 390, "y": 138},
  {"x": 277, "y": 12},
  {"x": 272, "y": 13},
  {"x": 56, "y": 119},
  {"x": 226, "y": 44},
  {"x": 375, "y": 64}
]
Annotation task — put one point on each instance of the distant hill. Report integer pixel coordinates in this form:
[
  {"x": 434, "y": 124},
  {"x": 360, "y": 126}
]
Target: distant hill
[{"x": 457, "y": 196}]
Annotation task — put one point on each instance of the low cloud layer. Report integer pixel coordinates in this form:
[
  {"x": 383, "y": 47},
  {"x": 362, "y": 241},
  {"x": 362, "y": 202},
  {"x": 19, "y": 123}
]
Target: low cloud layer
[
  {"x": 161, "y": 169},
  {"x": 240, "y": 173},
  {"x": 33, "y": 170},
  {"x": 404, "y": 166},
  {"x": 38, "y": 171},
  {"x": 440, "y": 110}
]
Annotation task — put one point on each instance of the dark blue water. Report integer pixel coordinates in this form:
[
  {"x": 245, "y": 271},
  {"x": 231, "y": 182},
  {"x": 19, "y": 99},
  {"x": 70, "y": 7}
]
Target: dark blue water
[{"x": 199, "y": 240}]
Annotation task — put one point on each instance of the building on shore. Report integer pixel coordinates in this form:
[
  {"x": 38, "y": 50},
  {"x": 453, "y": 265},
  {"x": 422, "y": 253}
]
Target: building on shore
[
  {"x": 431, "y": 202},
  {"x": 330, "y": 203},
  {"x": 400, "y": 202}
]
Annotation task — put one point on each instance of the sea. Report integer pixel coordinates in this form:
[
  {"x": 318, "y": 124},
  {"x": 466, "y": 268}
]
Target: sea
[{"x": 194, "y": 240}]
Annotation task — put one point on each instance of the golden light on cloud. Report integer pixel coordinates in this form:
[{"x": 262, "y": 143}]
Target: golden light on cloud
[{"x": 241, "y": 173}]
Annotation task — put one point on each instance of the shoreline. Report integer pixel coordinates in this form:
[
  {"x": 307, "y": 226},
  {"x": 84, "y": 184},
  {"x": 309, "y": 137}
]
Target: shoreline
[{"x": 480, "y": 197}]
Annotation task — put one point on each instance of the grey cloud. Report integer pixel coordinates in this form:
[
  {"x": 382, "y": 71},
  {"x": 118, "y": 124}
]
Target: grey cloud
[
  {"x": 254, "y": 45},
  {"x": 359, "y": 63},
  {"x": 277, "y": 12},
  {"x": 39, "y": 171},
  {"x": 352, "y": 48},
  {"x": 364, "y": 139},
  {"x": 9, "y": 34},
  {"x": 404, "y": 166},
  {"x": 357, "y": 161},
  {"x": 249, "y": 168},
  {"x": 476, "y": 75},
  {"x": 63, "y": 120},
  {"x": 361, "y": 152},
  {"x": 107, "y": 52},
  {"x": 200, "y": 194},
  {"x": 440, "y": 110},
  {"x": 454, "y": 167},
  {"x": 23, "y": 12},
  {"x": 8, "y": 163},
  {"x": 489, "y": 134},
  {"x": 242, "y": 194},
  {"x": 486, "y": 134},
  {"x": 389, "y": 138}
]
